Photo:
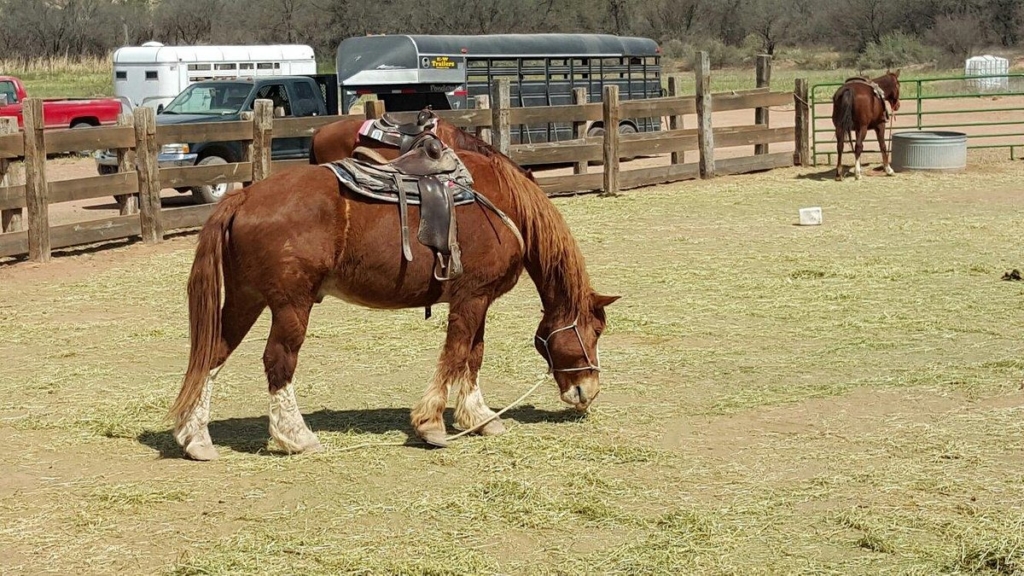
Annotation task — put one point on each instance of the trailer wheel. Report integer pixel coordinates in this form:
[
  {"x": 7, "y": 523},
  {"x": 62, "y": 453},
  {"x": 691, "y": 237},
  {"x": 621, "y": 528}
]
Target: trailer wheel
[{"x": 210, "y": 194}]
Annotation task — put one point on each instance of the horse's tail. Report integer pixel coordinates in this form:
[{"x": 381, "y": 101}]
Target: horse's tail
[
  {"x": 204, "y": 312},
  {"x": 846, "y": 111}
]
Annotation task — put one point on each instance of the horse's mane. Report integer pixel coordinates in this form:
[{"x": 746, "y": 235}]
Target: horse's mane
[
  {"x": 467, "y": 141},
  {"x": 546, "y": 236}
]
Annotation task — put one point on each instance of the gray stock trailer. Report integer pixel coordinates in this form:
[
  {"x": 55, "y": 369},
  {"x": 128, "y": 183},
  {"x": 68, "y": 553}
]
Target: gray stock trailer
[{"x": 410, "y": 72}]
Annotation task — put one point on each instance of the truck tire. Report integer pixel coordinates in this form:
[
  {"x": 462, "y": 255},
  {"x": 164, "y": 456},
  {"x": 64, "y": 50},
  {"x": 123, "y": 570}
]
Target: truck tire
[
  {"x": 120, "y": 199},
  {"x": 76, "y": 124},
  {"x": 210, "y": 194}
]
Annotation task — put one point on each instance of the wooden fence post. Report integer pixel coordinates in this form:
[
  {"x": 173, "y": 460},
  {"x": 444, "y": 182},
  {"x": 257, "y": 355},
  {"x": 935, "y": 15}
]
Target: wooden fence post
[
  {"x": 764, "y": 80},
  {"x": 579, "y": 129},
  {"x": 262, "y": 138},
  {"x": 801, "y": 97},
  {"x": 10, "y": 220},
  {"x": 147, "y": 150},
  {"x": 126, "y": 163},
  {"x": 374, "y": 109},
  {"x": 483, "y": 102},
  {"x": 610, "y": 99},
  {"x": 36, "y": 186},
  {"x": 675, "y": 122},
  {"x": 501, "y": 102},
  {"x": 705, "y": 133}
]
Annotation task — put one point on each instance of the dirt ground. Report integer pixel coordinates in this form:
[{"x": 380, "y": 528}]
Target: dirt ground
[{"x": 839, "y": 399}]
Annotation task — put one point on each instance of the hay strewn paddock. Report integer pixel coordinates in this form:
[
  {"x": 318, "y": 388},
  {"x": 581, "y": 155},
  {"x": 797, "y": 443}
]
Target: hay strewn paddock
[{"x": 834, "y": 400}]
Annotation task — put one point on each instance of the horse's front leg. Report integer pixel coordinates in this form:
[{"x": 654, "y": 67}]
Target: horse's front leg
[
  {"x": 464, "y": 320},
  {"x": 880, "y": 133},
  {"x": 470, "y": 408}
]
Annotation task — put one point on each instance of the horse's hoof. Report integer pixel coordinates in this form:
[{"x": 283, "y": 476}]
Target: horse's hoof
[
  {"x": 202, "y": 452},
  {"x": 435, "y": 438},
  {"x": 493, "y": 428}
]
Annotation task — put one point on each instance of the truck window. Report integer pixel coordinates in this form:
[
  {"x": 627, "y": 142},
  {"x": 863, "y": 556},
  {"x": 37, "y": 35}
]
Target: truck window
[
  {"x": 305, "y": 100},
  {"x": 277, "y": 94},
  {"x": 216, "y": 99},
  {"x": 7, "y": 89}
]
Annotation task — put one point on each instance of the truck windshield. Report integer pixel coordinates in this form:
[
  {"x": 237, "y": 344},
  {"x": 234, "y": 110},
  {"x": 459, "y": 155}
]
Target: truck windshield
[{"x": 218, "y": 99}]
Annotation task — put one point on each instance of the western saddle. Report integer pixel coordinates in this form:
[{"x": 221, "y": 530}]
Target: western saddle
[
  {"x": 402, "y": 136},
  {"x": 877, "y": 90}
]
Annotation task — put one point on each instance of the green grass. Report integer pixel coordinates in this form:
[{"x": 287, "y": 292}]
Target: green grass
[{"x": 841, "y": 399}]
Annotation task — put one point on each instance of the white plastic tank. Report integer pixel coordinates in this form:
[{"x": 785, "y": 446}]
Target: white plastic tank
[{"x": 987, "y": 65}]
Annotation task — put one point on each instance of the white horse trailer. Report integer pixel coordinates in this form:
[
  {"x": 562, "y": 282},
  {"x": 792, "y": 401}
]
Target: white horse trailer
[{"x": 153, "y": 74}]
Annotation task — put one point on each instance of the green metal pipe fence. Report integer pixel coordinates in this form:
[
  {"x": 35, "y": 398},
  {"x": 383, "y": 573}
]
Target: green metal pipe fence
[{"x": 917, "y": 93}]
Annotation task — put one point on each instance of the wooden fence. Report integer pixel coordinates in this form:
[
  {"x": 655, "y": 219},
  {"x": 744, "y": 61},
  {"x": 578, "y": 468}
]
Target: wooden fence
[{"x": 137, "y": 141}]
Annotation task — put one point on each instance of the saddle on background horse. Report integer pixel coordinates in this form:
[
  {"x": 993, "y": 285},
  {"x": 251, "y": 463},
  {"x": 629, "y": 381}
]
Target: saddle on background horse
[
  {"x": 402, "y": 136},
  {"x": 876, "y": 89}
]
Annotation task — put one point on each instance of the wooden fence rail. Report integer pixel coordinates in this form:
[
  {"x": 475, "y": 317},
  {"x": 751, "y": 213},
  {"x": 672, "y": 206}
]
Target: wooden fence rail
[{"x": 137, "y": 141}]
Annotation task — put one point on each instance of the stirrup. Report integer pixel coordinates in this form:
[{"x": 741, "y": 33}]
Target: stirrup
[{"x": 454, "y": 265}]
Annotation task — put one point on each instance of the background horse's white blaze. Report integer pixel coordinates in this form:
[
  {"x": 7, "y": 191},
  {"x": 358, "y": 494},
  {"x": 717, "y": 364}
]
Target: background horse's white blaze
[
  {"x": 286, "y": 424},
  {"x": 471, "y": 409},
  {"x": 193, "y": 433}
]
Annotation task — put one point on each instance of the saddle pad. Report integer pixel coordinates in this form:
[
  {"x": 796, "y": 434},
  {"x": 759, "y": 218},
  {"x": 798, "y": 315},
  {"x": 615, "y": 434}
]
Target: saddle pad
[{"x": 379, "y": 191}]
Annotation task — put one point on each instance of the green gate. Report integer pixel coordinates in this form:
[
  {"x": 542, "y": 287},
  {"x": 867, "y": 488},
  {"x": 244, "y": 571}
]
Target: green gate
[{"x": 989, "y": 109}]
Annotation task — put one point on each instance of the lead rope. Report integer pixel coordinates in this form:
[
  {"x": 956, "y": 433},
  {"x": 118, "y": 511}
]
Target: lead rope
[{"x": 514, "y": 403}]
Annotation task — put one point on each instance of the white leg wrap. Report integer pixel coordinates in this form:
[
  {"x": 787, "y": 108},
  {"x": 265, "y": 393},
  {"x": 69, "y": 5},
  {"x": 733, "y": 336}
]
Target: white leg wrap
[{"x": 286, "y": 424}]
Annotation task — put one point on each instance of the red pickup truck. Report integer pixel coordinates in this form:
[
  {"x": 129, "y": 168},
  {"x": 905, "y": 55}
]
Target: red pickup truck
[{"x": 59, "y": 112}]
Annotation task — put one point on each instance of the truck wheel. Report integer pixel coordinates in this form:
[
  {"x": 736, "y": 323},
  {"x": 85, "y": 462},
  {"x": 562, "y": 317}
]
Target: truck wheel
[
  {"x": 627, "y": 128},
  {"x": 75, "y": 126},
  {"x": 210, "y": 194},
  {"x": 121, "y": 199}
]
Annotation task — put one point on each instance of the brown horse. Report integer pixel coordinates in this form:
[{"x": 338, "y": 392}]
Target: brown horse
[
  {"x": 340, "y": 139},
  {"x": 859, "y": 105},
  {"x": 292, "y": 239}
]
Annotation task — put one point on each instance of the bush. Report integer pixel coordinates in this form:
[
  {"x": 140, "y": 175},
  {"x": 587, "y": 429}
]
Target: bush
[
  {"x": 721, "y": 54},
  {"x": 895, "y": 50}
]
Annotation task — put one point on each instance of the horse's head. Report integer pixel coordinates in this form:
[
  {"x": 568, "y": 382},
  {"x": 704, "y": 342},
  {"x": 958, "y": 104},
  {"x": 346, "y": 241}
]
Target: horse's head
[
  {"x": 569, "y": 345},
  {"x": 892, "y": 88}
]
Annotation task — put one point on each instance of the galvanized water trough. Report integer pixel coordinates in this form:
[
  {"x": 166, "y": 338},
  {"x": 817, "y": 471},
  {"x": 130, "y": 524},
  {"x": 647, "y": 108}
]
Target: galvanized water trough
[{"x": 924, "y": 150}]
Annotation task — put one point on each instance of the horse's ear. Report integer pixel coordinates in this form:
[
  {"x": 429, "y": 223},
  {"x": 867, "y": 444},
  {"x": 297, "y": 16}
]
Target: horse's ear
[
  {"x": 601, "y": 301},
  {"x": 896, "y": 73}
]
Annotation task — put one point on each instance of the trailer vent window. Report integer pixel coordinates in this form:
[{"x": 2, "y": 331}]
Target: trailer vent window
[
  {"x": 121, "y": 75},
  {"x": 245, "y": 66},
  {"x": 265, "y": 66},
  {"x": 151, "y": 74},
  {"x": 230, "y": 66},
  {"x": 199, "y": 67}
]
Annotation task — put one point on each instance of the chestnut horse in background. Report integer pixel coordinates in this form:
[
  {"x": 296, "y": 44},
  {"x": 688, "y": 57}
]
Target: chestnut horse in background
[
  {"x": 288, "y": 241},
  {"x": 339, "y": 140},
  {"x": 858, "y": 107}
]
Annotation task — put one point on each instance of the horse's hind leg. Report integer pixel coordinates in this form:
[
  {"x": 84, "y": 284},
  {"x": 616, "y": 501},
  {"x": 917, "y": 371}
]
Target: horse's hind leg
[
  {"x": 464, "y": 319},
  {"x": 840, "y": 144},
  {"x": 470, "y": 407},
  {"x": 242, "y": 307},
  {"x": 858, "y": 150},
  {"x": 287, "y": 333},
  {"x": 880, "y": 133}
]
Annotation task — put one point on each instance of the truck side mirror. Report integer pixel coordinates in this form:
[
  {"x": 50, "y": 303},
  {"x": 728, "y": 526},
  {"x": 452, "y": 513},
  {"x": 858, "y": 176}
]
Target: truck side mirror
[{"x": 3, "y": 100}]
